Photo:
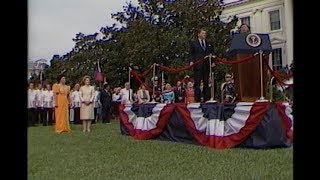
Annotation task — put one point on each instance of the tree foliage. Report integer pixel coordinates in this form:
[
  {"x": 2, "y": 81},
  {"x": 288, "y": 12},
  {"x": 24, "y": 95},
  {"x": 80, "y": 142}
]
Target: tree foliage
[{"x": 155, "y": 31}]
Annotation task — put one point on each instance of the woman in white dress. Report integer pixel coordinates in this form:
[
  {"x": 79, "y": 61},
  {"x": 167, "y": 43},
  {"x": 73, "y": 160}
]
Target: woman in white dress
[{"x": 86, "y": 109}]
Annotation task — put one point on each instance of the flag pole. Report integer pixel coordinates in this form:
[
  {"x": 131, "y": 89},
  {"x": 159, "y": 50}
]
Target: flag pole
[
  {"x": 162, "y": 81},
  {"x": 129, "y": 80},
  {"x": 129, "y": 74},
  {"x": 99, "y": 70},
  {"x": 153, "y": 78}
]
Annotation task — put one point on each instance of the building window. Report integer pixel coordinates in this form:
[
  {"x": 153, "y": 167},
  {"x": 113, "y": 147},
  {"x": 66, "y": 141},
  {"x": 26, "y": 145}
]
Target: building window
[
  {"x": 246, "y": 20},
  {"x": 277, "y": 59},
  {"x": 274, "y": 20}
]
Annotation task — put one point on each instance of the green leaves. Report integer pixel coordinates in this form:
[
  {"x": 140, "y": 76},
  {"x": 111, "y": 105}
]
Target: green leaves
[{"x": 154, "y": 32}]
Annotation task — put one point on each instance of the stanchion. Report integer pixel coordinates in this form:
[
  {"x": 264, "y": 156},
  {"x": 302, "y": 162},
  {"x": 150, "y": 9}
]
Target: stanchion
[
  {"x": 212, "y": 81},
  {"x": 261, "y": 99}
]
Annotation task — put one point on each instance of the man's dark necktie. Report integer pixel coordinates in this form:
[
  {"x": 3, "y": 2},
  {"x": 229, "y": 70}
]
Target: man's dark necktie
[{"x": 202, "y": 44}]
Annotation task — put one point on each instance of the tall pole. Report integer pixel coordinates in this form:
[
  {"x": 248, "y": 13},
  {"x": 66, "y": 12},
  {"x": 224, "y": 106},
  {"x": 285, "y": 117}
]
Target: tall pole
[
  {"x": 162, "y": 81},
  {"x": 212, "y": 80},
  {"x": 129, "y": 74},
  {"x": 99, "y": 70},
  {"x": 261, "y": 77},
  {"x": 129, "y": 79},
  {"x": 153, "y": 78},
  {"x": 40, "y": 68},
  {"x": 41, "y": 76}
]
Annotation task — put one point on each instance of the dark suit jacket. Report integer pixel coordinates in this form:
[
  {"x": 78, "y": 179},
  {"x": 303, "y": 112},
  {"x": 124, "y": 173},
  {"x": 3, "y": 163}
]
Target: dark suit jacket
[
  {"x": 196, "y": 52},
  {"x": 178, "y": 94},
  {"x": 105, "y": 99},
  {"x": 200, "y": 94}
]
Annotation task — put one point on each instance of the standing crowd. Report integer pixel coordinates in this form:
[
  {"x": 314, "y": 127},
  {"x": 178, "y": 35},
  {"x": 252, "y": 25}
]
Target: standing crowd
[
  {"x": 86, "y": 104},
  {"x": 83, "y": 104}
]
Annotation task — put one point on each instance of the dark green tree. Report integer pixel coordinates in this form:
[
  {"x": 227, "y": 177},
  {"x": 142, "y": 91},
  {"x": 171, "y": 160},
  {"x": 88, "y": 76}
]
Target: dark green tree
[
  {"x": 155, "y": 31},
  {"x": 159, "y": 32}
]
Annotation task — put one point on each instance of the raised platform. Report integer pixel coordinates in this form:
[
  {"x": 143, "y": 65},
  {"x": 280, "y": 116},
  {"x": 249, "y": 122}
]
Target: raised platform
[{"x": 219, "y": 126}]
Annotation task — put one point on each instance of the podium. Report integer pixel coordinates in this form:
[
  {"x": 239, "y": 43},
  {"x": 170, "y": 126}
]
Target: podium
[{"x": 247, "y": 75}]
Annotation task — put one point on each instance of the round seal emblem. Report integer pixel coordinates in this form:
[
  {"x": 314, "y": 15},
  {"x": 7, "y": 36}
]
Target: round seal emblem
[{"x": 253, "y": 40}]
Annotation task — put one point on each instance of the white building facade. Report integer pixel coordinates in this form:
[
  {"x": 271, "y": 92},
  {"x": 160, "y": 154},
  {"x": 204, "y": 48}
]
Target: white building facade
[
  {"x": 274, "y": 17},
  {"x": 36, "y": 67}
]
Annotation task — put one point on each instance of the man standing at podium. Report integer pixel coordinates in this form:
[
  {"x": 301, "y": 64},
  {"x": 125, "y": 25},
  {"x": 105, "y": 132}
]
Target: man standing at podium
[{"x": 199, "y": 48}]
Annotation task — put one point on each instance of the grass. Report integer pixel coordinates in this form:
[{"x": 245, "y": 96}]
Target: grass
[{"x": 106, "y": 154}]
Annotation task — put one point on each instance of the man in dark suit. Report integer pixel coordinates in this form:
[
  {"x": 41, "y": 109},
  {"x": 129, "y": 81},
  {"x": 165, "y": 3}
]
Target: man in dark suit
[
  {"x": 199, "y": 48},
  {"x": 156, "y": 87},
  {"x": 179, "y": 93},
  {"x": 200, "y": 93},
  {"x": 106, "y": 103}
]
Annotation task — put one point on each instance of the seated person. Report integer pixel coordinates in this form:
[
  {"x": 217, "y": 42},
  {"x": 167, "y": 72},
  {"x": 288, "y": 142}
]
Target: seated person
[
  {"x": 200, "y": 93},
  {"x": 228, "y": 91},
  {"x": 179, "y": 92},
  {"x": 190, "y": 94},
  {"x": 168, "y": 94},
  {"x": 126, "y": 94},
  {"x": 157, "y": 88},
  {"x": 135, "y": 98},
  {"x": 143, "y": 95}
]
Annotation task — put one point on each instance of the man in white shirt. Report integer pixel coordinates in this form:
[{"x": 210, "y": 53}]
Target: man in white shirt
[
  {"x": 39, "y": 104},
  {"x": 47, "y": 99},
  {"x": 32, "y": 105},
  {"x": 126, "y": 94},
  {"x": 75, "y": 104},
  {"x": 96, "y": 104}
]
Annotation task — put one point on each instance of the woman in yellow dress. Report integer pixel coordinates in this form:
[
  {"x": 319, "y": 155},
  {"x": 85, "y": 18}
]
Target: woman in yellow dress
[{"x": 61, "y": 92}]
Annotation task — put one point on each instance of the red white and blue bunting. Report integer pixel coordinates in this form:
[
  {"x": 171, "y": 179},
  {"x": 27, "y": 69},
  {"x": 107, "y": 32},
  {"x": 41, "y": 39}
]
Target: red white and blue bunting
[{"x": 214, "y": 125}]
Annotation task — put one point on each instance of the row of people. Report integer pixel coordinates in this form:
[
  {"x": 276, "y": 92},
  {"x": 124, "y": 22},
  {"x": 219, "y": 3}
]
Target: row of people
[
  {"x": 181, "y": 93},
  {"x": 41, "y": 104},
  {"x": 86, "y": 102},
  {"x": 83, "y": 102}
]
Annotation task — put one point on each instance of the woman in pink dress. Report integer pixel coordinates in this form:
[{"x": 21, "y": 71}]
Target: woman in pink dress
[{"x": 190, "y": 95}]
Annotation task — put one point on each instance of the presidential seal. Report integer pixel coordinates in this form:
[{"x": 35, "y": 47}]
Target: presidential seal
[{"x": 253, "y": 40}]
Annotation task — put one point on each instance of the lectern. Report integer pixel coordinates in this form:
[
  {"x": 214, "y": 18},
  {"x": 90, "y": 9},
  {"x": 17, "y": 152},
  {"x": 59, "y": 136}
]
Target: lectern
[{"x": 250, "y": 77}]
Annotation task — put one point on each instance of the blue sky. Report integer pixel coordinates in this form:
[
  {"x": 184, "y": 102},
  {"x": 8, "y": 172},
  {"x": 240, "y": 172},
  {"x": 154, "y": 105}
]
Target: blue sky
[{"x": 53, "y": 23}]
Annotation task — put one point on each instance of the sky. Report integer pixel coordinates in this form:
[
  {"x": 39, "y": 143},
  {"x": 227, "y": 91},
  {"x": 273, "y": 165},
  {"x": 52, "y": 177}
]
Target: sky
[{"x": 53, "y": 23}]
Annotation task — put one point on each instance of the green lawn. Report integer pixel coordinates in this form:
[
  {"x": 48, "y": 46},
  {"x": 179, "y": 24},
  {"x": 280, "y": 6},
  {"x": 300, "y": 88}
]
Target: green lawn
[{"x": 106, "y": 154}]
